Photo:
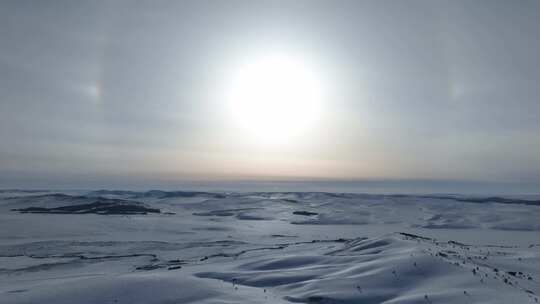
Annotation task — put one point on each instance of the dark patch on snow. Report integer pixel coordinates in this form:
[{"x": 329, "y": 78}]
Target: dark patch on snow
[
  {"x": 306, "y": 213},
  {"x": 99, "y": 206},
  {"x": 415, "y": 236}
]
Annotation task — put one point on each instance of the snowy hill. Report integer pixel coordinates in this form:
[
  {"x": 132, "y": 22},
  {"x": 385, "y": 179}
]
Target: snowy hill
[{"x": 266, "y": 247}]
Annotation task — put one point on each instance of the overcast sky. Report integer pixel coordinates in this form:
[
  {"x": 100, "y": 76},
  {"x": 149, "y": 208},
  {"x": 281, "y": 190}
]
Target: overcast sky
[{"x": 131, "y": 90}]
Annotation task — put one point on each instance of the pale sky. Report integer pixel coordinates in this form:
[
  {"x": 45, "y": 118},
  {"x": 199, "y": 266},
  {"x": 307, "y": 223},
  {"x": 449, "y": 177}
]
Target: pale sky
[{"x": 137, "y": 90}]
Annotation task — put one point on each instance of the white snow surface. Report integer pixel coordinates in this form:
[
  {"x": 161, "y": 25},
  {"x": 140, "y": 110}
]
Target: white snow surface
[{"x": 270, "y": 248}]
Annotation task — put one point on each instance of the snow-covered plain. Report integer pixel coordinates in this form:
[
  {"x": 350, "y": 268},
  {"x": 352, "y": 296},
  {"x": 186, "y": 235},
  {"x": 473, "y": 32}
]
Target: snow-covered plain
[{"x": 112, "y": 247}]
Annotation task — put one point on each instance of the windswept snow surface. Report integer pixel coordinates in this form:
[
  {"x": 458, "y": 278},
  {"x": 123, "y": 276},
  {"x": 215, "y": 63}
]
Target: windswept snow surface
[{"x": 201, "y": 247}]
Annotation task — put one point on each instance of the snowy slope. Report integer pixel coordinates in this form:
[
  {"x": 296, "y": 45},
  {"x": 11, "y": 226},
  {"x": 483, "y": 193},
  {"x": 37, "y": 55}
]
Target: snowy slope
[{"x": 270, "y": 248}]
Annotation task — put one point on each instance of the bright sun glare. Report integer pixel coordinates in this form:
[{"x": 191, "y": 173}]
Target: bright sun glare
[{"x": 275, "y": 97}]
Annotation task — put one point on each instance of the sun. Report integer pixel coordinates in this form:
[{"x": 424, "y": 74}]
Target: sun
[{"x": 275, "y": 97}]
